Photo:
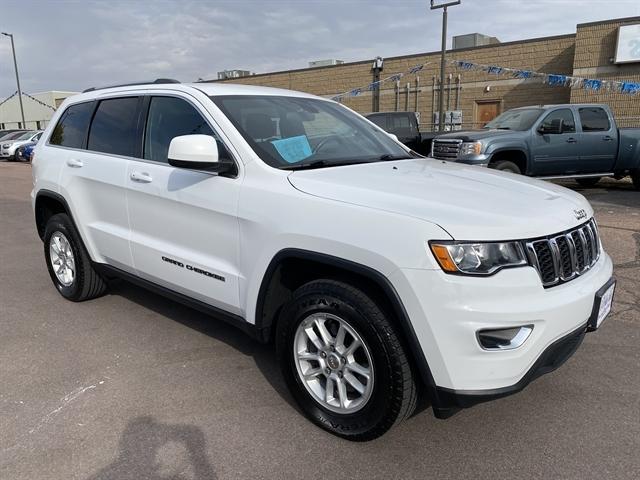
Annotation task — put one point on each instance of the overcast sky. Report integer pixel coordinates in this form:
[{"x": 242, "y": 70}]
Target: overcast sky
[{"x": 66, "y": 45}]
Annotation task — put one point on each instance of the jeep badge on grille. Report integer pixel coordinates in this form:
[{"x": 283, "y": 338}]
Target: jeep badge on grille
[{"x": 580, "y": 214}]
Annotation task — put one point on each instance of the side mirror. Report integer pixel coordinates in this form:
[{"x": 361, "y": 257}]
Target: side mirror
[
  {"x": 554, "y": 128},
  {"x": 198, "y": 152}
]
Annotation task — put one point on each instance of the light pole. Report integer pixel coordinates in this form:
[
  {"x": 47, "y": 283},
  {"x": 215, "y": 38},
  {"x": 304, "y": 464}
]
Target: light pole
[
  {"x": 443, "y": 6},
  {"x": 15, "y": 64}
]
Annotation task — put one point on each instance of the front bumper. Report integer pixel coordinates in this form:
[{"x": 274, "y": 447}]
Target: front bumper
[{"x": 447, "y": 311}]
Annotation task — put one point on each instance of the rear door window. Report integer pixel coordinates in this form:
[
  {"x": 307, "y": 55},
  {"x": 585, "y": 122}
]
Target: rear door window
[
  {"x": 114, "y": 128},
  {"x": 594, "y": 119},
  {"x": 71, "y": 129}
]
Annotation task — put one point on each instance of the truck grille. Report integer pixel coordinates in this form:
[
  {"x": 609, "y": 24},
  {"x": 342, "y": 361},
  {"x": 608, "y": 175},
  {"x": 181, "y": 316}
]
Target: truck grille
[
  {"x": 445, "y": 149},
  {"x": 560, "y": 258}
]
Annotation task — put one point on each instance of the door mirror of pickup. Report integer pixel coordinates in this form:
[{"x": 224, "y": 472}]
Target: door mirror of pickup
[
  {"x": 197, "y": 152},
  {"x": 553, "y": 127}
]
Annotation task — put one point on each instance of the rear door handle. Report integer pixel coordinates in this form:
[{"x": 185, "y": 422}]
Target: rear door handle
[
  {"x": 141, "y": 177},
  {"x": 75, "y": 163},
  {"x": 571, "y": 140},
  {"x": 607, "y": 138}
]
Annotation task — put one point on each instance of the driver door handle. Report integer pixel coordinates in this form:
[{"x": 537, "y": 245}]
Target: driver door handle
[
  {"x": 571, "y": 140},
  {"x": 141, "y": 177},
  {"x": 607, "y": 138},
  {"x": 75, "y": 163}
]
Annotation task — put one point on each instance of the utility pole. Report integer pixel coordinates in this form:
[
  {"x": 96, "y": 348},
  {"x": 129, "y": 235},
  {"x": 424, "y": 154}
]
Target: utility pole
[
  {"x": 15, "y": 65},
  {"x": 378, "y": 65},
  {"x": 443, "y": 6}
]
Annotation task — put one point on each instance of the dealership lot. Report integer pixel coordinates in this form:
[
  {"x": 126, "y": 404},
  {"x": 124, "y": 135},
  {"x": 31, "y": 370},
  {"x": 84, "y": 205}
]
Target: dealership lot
[{"x": 134, "y": 386}]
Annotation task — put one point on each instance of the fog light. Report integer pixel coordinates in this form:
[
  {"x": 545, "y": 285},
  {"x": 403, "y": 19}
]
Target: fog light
[{"x": 504, "y": 338}]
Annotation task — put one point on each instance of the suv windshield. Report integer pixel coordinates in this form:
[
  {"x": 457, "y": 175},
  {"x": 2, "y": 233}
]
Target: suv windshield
[
  {"x": 520, "y": 119},
  {"x": 294, "y": 133}
]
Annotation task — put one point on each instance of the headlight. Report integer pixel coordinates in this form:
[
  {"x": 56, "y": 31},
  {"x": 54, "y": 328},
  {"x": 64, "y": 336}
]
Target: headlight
[
  {"x": 470, "y": 148},
  {"x": 478, "y": 258},
  {"x": 6, "y": 145}
]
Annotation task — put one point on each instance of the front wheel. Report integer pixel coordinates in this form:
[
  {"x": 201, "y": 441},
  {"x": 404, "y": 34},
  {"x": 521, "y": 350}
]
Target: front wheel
[
  {"x": 68, "y": 263},
  {"x": 343, "y": 361},
  {"x": 506, "y": 166}
]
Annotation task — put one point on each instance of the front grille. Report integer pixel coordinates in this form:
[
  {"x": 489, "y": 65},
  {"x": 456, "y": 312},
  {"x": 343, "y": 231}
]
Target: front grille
[
  {"x": 445, "y": 149},
  {"x": 563, "y": 257}
]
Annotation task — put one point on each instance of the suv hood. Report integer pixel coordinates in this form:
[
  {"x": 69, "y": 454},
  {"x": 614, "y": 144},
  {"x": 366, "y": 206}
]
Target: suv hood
[
  {"x": 470, "y": 203},
  {"x": 473, "y": 135}
]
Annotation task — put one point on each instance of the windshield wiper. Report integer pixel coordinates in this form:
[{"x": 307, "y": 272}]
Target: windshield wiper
[
  {"x": 318, "y": 164},
  {"x": 503, "y": 128}
]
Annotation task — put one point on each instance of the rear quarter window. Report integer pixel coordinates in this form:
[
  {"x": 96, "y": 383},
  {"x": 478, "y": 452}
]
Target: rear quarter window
[{"x": 71, "y": 129}]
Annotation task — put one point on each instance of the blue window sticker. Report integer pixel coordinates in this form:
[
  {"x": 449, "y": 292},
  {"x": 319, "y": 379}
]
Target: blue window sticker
[{"x": 293, "y": 149}]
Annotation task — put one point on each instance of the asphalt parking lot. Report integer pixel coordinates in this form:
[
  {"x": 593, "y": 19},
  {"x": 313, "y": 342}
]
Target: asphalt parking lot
[{"x": 133, "y": 386}]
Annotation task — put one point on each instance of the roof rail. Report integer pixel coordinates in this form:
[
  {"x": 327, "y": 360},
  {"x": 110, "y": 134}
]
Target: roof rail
[{"x": 157, "y": 81}]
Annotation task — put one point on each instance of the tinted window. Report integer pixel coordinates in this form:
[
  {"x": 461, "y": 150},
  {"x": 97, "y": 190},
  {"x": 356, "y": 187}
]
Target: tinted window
[
  {"x": 594, "y": 119},
  {"x": 114, "y": 127},
  {"x": 171, "y": 117},
  {"x": 379, "y": 120},
  {"x": 566, "y": 115},
  {"x": 72, "y": 127}
]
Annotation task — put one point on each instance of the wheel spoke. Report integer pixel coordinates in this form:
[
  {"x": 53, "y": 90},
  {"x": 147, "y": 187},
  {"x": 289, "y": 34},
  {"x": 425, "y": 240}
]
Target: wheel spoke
[
  {"x": 311, "y": 335},
  {"x": 308, "y": 356},
  {"x": 353, "y": 347},
  {"x": 359, "y": 369},
  {"x": 327, "y": 338},
  {"x": 342, "y": 392},
  {"x": 354, "y": 382},
  {"x": 329, "y": 394},
  {"x": 340, "y": 338},
  {"x": 313, "y": 373}
]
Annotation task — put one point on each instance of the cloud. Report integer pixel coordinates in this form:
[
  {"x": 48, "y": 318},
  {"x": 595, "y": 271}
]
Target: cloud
[{"x": 74, "y": 45}]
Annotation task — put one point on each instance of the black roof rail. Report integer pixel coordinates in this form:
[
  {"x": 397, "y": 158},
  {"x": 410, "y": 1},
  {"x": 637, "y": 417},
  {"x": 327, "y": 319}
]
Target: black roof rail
[{"x": 157, "y": 81}]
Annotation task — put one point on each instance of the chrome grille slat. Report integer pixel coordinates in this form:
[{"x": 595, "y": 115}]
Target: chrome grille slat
[
  {"x": 561, "y": 258},
  {"x": 446, "y": 149}
]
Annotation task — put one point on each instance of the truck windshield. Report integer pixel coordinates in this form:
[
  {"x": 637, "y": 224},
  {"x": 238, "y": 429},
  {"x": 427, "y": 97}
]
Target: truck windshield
[
  {"x": 520, "y": 119},
  {"x": 294, "y": 133}
]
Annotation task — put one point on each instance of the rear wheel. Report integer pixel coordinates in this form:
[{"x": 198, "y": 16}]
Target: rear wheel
[
  {"x": 506, "y": 166},
  {"x": 343, "y": 361},
  {"x": 68, "y": 263},
  {"x": 588, "y": 182}
]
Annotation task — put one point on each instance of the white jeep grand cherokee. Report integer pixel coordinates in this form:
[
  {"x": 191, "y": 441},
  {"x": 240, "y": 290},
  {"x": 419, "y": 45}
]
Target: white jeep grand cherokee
[{"x": 379, "y": 274}]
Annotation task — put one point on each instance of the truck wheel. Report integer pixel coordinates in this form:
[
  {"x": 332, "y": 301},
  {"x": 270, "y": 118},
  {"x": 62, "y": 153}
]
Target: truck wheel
[
  {"x": 506, "y": 166},
  {"x": 588, "y": 182},
  {"x": 343, "y": 361},
  {"x": 635, "y": 177},
  {"x": 68, "y": 263}
]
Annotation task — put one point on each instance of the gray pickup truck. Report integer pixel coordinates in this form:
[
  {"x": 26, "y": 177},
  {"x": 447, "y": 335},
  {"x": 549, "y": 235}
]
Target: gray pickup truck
[{"x": 578, "y": 141}]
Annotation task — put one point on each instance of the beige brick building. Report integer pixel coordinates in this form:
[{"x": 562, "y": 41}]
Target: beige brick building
[{"x": 586, "y": 53}]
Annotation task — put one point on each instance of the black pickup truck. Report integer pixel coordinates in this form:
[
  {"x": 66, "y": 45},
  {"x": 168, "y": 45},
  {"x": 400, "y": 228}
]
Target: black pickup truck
[
  {"x": 405, "y": 126},
  {"x": 578, "y": 141}
]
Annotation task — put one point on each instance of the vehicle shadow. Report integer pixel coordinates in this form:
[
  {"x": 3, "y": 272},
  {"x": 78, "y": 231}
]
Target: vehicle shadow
[
  {"x": 157, "y": 451},
  {"x": 263, "y": 355}
]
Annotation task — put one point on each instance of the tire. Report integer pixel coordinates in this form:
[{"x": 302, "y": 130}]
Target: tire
[
  {"x": 588, "y": 182},
  {"x": 83, "y": 283},
  {"x": 391, "y": 388},
  {"x": 635, "y": 177},
  {"x": 506, "y": 166}
]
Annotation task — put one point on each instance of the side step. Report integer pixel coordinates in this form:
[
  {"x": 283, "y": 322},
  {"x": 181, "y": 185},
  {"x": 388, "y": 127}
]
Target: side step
[{"x": 585, "y": 175}]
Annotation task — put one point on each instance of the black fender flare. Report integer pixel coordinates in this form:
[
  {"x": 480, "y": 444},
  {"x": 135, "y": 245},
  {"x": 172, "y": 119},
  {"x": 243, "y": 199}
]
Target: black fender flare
[{"x": 403, "y": 321}]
